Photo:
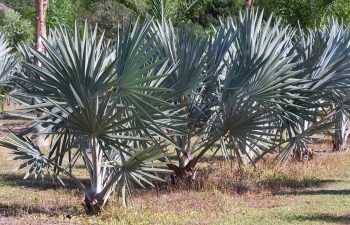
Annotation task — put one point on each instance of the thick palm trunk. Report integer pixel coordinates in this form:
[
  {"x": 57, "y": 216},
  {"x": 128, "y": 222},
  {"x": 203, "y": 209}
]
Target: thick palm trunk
[
  {"x": 93, "y": 203},
  {"x": 94, "y": 198},
  {"x": 184, "y": 170},
  {"x": 341, "y": 131}
]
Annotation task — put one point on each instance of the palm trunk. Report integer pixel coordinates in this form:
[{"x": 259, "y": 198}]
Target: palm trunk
[
  {"x": 184, "y": 156},
  {"x": 94, "y": 200},
  {"x": 245, "y": 154},
  {"x": 341, "y": 131}
]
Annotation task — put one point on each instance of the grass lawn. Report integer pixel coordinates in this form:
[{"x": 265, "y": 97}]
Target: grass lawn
[{"x": 316, "y": 192}]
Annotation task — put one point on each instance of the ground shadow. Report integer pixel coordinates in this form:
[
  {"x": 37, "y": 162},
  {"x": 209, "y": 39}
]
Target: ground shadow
[
  {"x": 19, "y": 210},
  {"x": 40, "y": 184},
  {"x": 276, "y": 186},
  {"x": 316, "y": 192},
  {"x": 284, "y": 182},
  {"x": 324, "y": 217},
  {"x": 236, "y": 185}
]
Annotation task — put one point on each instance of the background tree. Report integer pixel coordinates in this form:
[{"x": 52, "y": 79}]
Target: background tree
[
  {"x": 40, "y": 25},
  {"x": 249, "y": 4}
]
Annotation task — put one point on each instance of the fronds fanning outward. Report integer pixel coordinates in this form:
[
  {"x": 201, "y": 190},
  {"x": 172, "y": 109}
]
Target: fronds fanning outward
[
  {"x": 199, "y": 59},
  {"x": 326, "y": 50},
  {"x": 24, "y": 149},
  {"x": 99, "y": 102},
  {"x": 7, "y": 64},
  {"x": 260, "y": 76}
]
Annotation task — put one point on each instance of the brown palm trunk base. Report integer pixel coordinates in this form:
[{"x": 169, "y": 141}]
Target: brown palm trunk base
[
  {"x": 303, "y": 155},
  {"x": 92, "y": 204},
  {"x": 183, "y": 173},
  {"x": 188, "y": 178},
  {"x": 339, "y": 146}
]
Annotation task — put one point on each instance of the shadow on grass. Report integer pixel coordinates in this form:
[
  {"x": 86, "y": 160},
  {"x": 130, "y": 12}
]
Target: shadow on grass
[
  {"x": 19, "y": 210},
  {"x": 282, "y": 183},
  {"x": 324, "y": 217},
  {"x": 278, "y": 185},
  {"x": 316, "y": 192},
  {"x": 40, "y": 184}
]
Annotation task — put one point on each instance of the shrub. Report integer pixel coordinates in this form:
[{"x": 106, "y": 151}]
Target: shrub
[
  {"x": 339, "y": 9},
  {"x": 15, "y": 28},
  {"x": 60, "y": 12}
]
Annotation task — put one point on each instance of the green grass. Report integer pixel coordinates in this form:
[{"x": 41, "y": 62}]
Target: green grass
[{"x": 317, "y": 192}]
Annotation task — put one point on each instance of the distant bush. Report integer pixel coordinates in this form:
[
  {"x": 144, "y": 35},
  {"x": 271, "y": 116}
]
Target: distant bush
[
  {"x": 339, "y": 9},
  {"x": 304, "y": 13},
  {"x": 107, "y": 14},
  {"x": 15, "y": 28},
  {"x": 292, "y": 12},
  {"x": 60, "y": 12},
  {"x": 214, "y": 9}
]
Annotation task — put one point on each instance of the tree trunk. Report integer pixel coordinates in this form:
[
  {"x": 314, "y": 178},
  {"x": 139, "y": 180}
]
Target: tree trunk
[
  {"x": 341, "y": 131},
  {"x": 41, "y": 7},
  {"x": 4, "y": 8},
  {"x": 93, "y": 204},
  {"x": 248, "y": 4},
  {"x": 184, "y": 156},
  {"x": 94, "y": 198}
]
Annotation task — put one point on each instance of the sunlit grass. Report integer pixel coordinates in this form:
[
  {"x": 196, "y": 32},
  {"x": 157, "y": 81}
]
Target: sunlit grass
[{"x": 317, "y": 192}]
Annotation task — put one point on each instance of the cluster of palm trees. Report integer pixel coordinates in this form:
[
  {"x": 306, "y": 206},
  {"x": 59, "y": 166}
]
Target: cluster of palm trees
[{"x": 164, "y": 97}]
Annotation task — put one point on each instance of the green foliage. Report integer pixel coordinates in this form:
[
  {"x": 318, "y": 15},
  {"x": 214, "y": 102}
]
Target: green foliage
[
  {"x": 339, "y": 9},
  {"x": 200, "y": 13},
  {"x": 306, "y": 13},
  {"x": 60, "y": 12},
  {"x": 107, "y": 15},
  {"x": 19, "y": 5},
  {"x": 24, "y": 7},
  {"x": 214, "y": 9},
  {"x": 16, "y": 29},
  {"x": 291, "y": 11}
]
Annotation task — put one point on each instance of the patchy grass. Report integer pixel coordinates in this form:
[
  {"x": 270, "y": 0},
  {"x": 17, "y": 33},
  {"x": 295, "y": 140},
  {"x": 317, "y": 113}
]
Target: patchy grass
[{"x": 315, "y": 192}]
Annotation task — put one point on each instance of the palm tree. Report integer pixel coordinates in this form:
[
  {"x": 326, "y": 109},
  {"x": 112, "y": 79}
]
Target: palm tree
[
  {"x": 96, "y": 104},
  {"x": 270, "y": 94},
  {"x": 327, "y": 51},
  {"x": 261, "y": 76},
  {"x": 199, "y": 59}
]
